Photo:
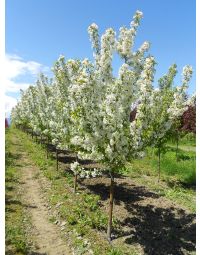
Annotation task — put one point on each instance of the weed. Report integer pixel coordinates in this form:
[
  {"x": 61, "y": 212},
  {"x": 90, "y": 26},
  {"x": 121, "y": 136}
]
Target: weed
[
  {"x": 115, "y": 251},
  {"x": 52, "y": 219}
]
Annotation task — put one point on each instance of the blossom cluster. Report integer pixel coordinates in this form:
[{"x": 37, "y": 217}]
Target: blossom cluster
[{"x": 84, "y": 173}]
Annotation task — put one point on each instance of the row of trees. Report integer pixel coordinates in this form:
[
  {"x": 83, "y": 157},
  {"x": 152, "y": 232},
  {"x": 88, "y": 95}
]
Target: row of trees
[{"x": 84, "y": 108}]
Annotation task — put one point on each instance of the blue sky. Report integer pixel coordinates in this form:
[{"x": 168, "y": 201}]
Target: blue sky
[{"x": 38, "y": 31}]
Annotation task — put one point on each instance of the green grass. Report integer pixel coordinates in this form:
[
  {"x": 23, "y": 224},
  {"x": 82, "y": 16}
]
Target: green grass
[
  {"x": 15, "y": 216},
  {"x": 186, "y": 143},
  {"x": 189, "y": 140},
  {"x": 182, "y": 171},
  {"x": 178, "y": 178}
]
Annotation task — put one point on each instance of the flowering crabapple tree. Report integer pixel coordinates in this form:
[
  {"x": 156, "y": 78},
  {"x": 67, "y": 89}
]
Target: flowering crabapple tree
[
  {"x": 60, "y": 121},
  {"x": 180, "y": 104},
  {"x": 73, "y": 91},
  {"x": 164, "y": 98},
  {"x": 18, "y": 114},
  {"x": 102, "y": 103},
  {"x": 35, "y": 107},
  {"x": 45, "y": 106}
]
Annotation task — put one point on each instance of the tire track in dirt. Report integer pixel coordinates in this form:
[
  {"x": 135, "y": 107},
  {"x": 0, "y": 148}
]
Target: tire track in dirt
[{"x": 45, "y": 235}]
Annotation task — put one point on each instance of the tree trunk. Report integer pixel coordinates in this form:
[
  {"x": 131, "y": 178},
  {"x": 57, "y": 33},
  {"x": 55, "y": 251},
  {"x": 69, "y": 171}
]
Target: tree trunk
[
  {"x": 110, "y": 207},
  {"x": 177, "y": 140},
  {"x": 159, "y": 164},
  {"x": 47, "y": 150},
  {"x": 75, "y": 178},
  {"x": 56, "y": 159},
  {"x": 75, "y": 182},
  {"x": 152, "y": 152}
]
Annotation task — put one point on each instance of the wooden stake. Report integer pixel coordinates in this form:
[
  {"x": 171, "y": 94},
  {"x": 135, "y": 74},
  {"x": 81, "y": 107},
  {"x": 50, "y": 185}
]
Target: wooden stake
[
  {"x": 177, "y": 140},
  {"x": 159, "y": 164},
  {"x": 75, "y": 177},
  {"x": 56, "y": 159},
  {"x": 110, "y": 207},
  {"x": 75, "y": 182},
  {"x": 47, "y": 148}
]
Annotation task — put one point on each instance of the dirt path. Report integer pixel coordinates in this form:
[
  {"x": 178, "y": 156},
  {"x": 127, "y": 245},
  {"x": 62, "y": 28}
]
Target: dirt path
[{"x": 45, "y": 235}]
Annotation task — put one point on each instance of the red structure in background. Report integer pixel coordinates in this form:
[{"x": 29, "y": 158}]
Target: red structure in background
[
  {"x": 188, "y": 120},
  {"x": 6, "y": 123}
]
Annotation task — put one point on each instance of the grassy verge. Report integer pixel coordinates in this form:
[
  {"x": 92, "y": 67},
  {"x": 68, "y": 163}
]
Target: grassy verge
[
  {"x": 79, "y": 215},
  {"x": 17, "y": 221},
  {"x": 186, "y": 143},
  {"x": 178, "y": 178}
]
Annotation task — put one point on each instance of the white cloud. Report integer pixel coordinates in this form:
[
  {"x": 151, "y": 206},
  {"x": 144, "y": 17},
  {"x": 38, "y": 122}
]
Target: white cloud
[
  {"x": 15, "y": 87},
  {"x": 15, "y": 67},
  {"x": 10, "y": 102}
]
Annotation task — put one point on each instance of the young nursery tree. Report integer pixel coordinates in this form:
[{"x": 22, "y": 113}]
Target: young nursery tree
[
  {"x": 168, "y": 105},
  {"x": 162, "y": 98},
  {"x": 110, "y": 137}
]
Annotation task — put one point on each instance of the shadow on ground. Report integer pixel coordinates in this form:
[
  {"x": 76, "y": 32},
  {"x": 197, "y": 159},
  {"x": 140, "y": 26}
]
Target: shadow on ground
[
  {"x": 10, "y": 158},
  {"x": 159, "y": 230},
  {"x": 9, "y": 201},
  {"x": 10, "y": 252}
]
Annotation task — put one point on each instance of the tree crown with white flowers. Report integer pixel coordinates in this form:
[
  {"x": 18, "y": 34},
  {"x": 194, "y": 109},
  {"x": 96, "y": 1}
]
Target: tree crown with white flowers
[{"x": 87, "y": 109}]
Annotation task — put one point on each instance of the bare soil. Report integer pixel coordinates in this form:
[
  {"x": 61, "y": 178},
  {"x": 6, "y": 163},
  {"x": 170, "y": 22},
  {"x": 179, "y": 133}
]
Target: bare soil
[
  {"x": 148, "y": 221},
  {"x": 151, "y": 222}
]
